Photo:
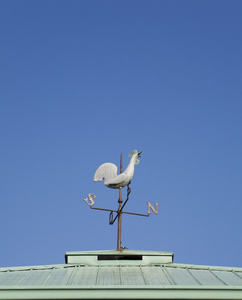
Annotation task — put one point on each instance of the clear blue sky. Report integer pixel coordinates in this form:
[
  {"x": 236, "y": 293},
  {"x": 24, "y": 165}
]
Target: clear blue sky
[{"x": 83, "y": 81}]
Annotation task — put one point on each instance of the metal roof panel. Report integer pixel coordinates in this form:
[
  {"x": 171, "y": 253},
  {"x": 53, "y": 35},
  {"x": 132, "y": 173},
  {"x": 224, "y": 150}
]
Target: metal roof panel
[
  {"x": 109, "y": 276},
  {"x": 229, "y": 277},
  {"x": 206, "y": 277},
  {"x": 59, "y": 276},
  {"x": 131, "y": 275},
  {"x": 11, "y": 277},
  {"x": 181, "y": 276},
  {"x": 154, "y": 275},
  {"x": 85, "y": 276}
]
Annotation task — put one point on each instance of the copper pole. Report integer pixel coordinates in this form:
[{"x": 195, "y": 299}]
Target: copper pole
[{"x": 120, "y": 205}]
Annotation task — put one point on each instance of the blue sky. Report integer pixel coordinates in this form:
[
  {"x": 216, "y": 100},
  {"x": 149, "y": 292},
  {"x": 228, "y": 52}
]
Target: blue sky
[{"x": 83, "y": 81}]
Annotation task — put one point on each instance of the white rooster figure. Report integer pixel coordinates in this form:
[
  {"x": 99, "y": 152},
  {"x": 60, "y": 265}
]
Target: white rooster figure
[{"x": 108, "y": 172}]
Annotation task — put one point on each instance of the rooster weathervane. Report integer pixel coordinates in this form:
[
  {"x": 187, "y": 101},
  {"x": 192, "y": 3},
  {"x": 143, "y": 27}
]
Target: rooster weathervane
[{"x": 108, "y": 172}]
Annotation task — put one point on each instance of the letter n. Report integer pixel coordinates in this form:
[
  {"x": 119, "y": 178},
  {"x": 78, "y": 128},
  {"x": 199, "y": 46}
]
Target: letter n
[{"x": 155, "y": 210}]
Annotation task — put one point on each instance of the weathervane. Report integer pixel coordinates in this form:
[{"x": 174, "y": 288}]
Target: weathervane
[{"x": 108, "y": 172}]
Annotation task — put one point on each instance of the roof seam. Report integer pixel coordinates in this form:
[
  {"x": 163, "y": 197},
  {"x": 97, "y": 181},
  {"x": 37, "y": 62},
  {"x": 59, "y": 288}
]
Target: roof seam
[
  {"x": 193, "y": 276},
  {"x": 97, "y": 276},
  {"x": 217, "y": 277},
  {"x": 21, "y": 279},
  {"x": 167, "y": 275},
  {"x": 143, "y": 275},
  {"x": 72, "y": 276},
  {"x": 120, "y": 275},
  {"x": 235, "y": 273},
  {"x": 46, "y": 279}
]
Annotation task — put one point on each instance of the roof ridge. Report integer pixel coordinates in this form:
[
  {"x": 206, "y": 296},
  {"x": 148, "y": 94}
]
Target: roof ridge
[{"x": 168, "y": 265}]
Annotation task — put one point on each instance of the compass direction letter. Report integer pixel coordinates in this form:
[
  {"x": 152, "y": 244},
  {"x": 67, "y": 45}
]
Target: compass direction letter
[
  {"x": 89, "y": 200},
  {"x": 155, "y": 210}
]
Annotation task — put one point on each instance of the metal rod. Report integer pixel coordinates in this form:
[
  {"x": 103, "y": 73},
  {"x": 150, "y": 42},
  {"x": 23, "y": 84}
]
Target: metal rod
[
  {"x": 104, "y": 209},
  {"x": 142, "y": 215},
  {"x": 120, "y": 210},
  {"x": 128, "y": 192},
  {"x": 123, "y": 212},
  {"x": 120, "y": 206}
]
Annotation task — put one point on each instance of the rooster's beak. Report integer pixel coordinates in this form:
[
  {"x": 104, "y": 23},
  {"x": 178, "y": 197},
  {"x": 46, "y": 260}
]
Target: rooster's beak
[{"x": 139, "y": 154}]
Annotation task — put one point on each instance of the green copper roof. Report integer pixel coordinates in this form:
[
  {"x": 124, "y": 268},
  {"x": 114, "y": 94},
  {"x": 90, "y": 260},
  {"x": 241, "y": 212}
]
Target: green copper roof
[{"x": 119, "y": 275}]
